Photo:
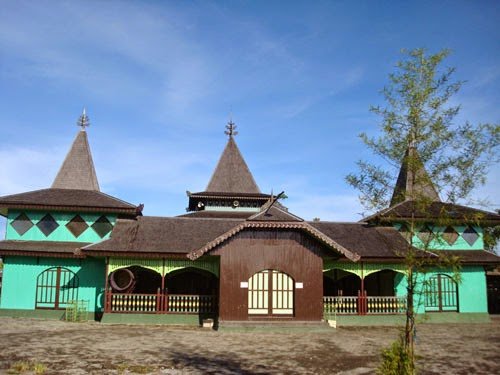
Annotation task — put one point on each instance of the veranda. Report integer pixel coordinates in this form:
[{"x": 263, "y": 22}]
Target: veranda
[{"x": 187, "y": 287}]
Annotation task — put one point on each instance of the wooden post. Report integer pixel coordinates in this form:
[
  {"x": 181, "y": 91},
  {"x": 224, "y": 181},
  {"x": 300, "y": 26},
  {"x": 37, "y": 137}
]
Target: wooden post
[
  {"x": 163, "y": 299},
  {"x": 107, "y": 302},
  {"x": 362, "y": 294}
]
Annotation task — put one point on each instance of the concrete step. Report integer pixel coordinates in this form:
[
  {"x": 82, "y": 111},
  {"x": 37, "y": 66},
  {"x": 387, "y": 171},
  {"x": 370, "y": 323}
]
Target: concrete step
[{"x": 274, "y": 326}]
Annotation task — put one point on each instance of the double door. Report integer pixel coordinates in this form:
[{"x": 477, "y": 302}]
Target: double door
[{"x": 270, "y": 293}]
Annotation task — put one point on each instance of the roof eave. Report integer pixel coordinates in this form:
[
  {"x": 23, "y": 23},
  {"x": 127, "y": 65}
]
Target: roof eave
[{"x": 4, "y": 206}]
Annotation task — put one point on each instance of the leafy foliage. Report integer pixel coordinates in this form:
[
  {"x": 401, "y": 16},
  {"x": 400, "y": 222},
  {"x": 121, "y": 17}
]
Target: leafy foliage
[
  {"x": 418, "y": 113},
  {"x": 491, "y": 237},
  {"x": 438, "y": 156},
  {"x": 395, "y": 360}
]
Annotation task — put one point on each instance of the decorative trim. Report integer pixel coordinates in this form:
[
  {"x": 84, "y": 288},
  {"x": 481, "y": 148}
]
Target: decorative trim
[
  {"x": 195, "y": 254},
  {"x": 164, "y": 266},
  {"x": 362, "y": 270}
]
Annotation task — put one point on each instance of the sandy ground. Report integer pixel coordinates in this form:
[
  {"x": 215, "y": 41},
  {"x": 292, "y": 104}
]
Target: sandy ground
[{"x": 82, "y": 348}]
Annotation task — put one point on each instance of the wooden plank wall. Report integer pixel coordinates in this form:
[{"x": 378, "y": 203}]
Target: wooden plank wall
[{"x": 251, "y": 251}]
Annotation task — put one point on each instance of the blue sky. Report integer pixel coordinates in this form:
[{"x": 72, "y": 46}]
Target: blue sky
[{"x": 160, "y": 80}]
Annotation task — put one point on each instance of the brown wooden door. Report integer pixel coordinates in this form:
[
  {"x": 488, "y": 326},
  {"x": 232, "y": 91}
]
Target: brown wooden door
[
  {"x": 55, "y": 287},
  {"x": 270, "y": 293}
]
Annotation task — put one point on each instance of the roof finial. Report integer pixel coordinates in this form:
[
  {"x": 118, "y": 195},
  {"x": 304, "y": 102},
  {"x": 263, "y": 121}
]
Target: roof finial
[
  {"x": 83, "y": 120},
  {"x": 231, "y": 128}
]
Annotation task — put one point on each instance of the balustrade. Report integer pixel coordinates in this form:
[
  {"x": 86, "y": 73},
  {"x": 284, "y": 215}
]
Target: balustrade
[
  {"x": 159, "y": 303},
  {"x": 362, "y": 305}
]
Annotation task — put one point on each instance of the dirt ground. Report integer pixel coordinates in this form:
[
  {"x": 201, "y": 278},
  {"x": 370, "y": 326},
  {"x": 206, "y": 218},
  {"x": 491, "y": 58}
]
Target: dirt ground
[{"x": 55, "y": 347}]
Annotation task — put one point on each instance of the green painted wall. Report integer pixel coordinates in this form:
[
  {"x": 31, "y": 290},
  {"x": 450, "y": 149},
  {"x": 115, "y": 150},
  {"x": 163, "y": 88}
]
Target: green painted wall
[
  {"x": 440, "y": 244},
  {"x": 472, "y": 293},
  {"x": 61, "y": 233},
  {"x": 20, "y": 275},
  {"x": 472, "y": 297}
]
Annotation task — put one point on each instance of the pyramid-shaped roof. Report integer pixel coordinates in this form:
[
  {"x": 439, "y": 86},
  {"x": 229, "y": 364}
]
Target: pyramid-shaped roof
[
  {"x": 413, "y": 181},
  {"x": 77, "y": 170},
  {"x": 232, "y": 174}
]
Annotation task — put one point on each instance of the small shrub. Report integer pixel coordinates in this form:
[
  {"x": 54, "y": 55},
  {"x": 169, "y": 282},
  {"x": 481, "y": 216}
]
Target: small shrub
[
  {"x": 139, "y": 369},
  {"x": 27, "y": 366},
  {"x": 39, "y": 368},
  {"x": 395, "y": 360},
  {"x": 19, "y": 367}
]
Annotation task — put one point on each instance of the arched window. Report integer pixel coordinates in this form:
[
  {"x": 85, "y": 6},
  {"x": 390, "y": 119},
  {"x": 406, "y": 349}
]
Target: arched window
[
  {"x": 271, "y": 293},
  {"x": 441, "y": 294},
  {"x": 55, "y": 287}
]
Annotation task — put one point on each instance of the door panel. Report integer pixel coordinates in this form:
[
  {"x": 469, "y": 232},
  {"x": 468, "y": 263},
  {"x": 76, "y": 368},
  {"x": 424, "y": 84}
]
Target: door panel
[
  {"x": 270, "y": 292},
  {"x": 55, "y": 287}
]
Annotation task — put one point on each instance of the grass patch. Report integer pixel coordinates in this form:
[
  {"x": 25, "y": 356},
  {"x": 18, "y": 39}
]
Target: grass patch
[{"x": 21, "y": 367}]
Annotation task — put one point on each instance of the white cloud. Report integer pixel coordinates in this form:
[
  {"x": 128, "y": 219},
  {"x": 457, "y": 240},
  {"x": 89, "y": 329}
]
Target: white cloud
[{"x": 24, "y": 169}]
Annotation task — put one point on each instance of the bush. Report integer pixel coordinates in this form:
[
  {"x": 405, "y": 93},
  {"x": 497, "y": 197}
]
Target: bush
[{"x": 396, "y": 360}]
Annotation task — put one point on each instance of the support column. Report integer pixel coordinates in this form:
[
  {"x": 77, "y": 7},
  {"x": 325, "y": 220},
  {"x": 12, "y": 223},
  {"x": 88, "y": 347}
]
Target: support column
[
  {"x": 164, "y": 296},
  {"x": 362, "y": 295},
  {"x": 107, "y": 297}
]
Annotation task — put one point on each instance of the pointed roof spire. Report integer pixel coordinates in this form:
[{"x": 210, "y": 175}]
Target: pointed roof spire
[
  {"x": 231, "y": 129},
  {"x": 77, "y": 170},
  {"x": 83, "y": 120},
  {"x": 413, "y": 180},
  {"x": 232, "y": 174}
]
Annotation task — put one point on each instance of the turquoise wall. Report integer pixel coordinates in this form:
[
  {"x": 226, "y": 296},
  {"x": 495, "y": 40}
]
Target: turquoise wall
[
  {"x": 472, "y": 293},
  {"x": 61, "y": 233},
  {"x": 400, "y": 285},
  {"x": 441, "y": 244},
  {"x": 472, "y": 297},
  {"x": 20, "y": 275}
]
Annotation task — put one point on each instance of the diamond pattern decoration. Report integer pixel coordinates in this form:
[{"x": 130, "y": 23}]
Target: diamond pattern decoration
[
  {"x": 47, "y": 224},
  {"x": 22, "y": 224},
  {"x": 102, "y": 226},
  {"x": 425, "y": 234},
  {"x": 450, "y": 235},
  {"x": 405, "y": 232},
  {"x": 470, "y": 235},
  {"x": 77, "y": 226}
]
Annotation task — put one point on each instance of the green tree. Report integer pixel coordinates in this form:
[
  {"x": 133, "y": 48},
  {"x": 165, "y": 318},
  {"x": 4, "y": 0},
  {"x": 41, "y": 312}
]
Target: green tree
[{"x": 418, "y": 122}]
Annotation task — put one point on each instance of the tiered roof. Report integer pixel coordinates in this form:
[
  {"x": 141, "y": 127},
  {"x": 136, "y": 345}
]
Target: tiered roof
[
  {"x": 231, "y": 179},
  {"x": 416, "y": 197},
  {"x": 75, "y": 187}
]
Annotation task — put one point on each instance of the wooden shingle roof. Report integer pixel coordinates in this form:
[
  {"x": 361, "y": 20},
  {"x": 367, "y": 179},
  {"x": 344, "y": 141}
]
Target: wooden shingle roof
[
  {"x": 67, "y": 200},
  {"x": 41, "y": 248},
  {"x": 156, "y": 236},
  {"x": 413, "y": 181},
  {"x": 434, "y": 211},
  {"x": 232, "y": 174},
  {"x": 77, "y": 170}
]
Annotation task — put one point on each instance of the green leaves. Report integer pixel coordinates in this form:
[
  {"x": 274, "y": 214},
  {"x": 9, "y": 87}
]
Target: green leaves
[{"x": 417, "y": 112}]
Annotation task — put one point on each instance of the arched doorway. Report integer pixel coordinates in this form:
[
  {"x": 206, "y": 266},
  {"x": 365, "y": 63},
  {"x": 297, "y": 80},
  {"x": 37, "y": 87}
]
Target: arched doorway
[
  {"x": 441, "y": 294},
  {"x": 55, "y": 287},
  {"x": 271, "y": 293},
  {"x": 380, "y": 283},
  {"x": 193, "y": 281},
  {"x": 136, "y": 280},
  {"x": 338, "y": 282}
]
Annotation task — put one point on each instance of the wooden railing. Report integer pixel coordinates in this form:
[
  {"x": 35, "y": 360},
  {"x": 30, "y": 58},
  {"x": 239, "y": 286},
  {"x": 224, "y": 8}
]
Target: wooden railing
[
  {"x": 363, "y": 305},
  {"x": 190, "y": 304},
  {"x": 386, "y": 305},
  {"x": 128, "y": 303},
  {"x": 340, "y": 305}
]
